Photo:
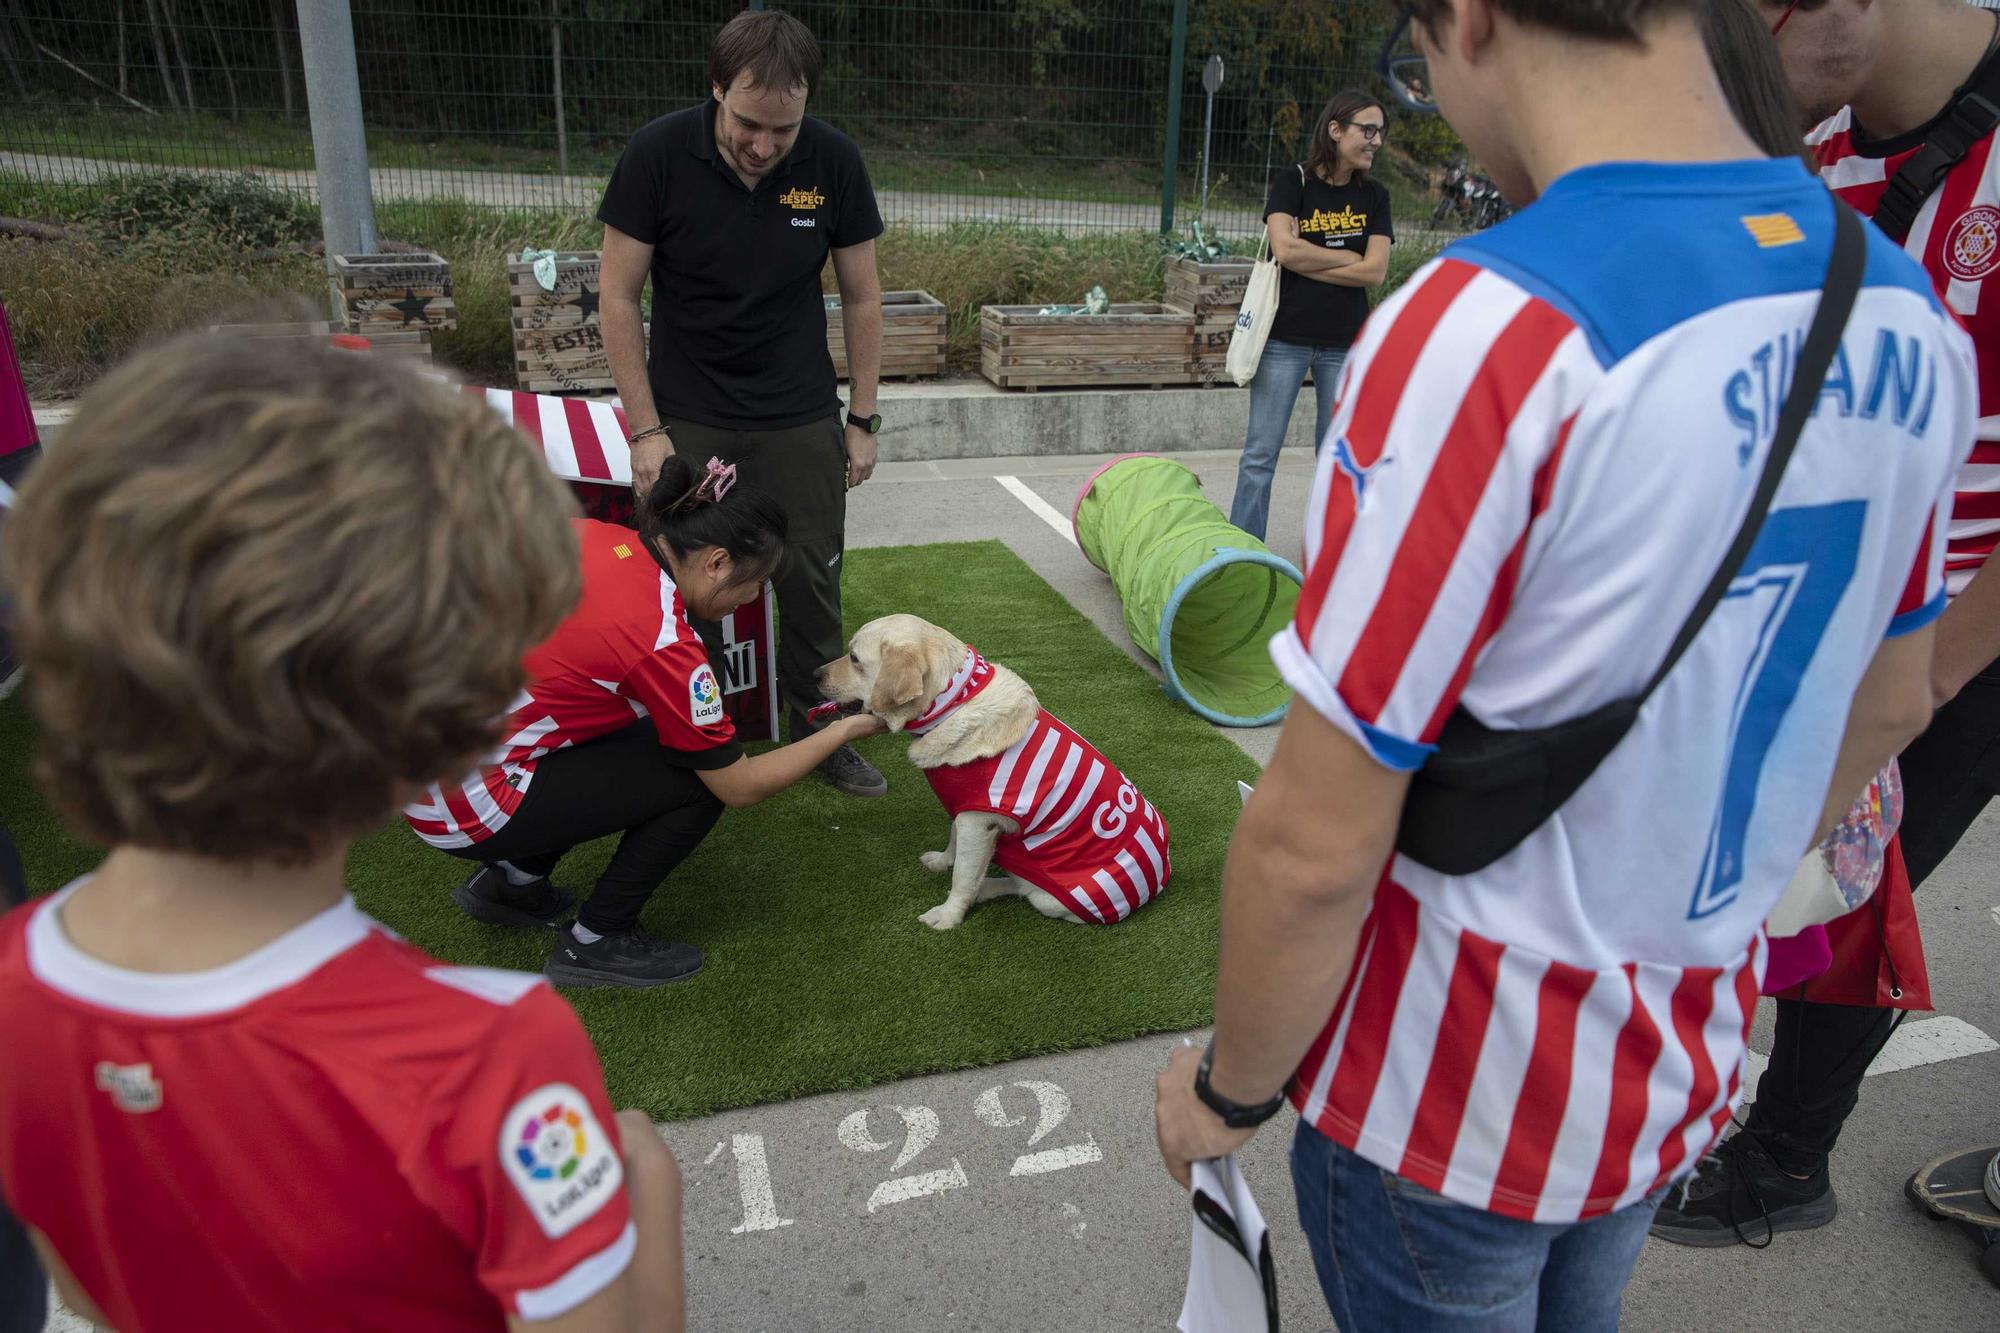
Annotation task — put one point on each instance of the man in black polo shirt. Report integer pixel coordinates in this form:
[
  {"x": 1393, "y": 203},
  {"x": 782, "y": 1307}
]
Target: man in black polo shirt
[{"x": 732, "y": 207}]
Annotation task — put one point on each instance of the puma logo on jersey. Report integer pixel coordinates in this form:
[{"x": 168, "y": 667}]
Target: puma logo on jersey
[
  {"x": 1357, "y": 475},
  {"x": 132, "y": 1087}
]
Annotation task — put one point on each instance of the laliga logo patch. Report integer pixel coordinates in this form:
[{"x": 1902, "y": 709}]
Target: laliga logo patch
[
  {"x": 704, "y": 697},
  {"x": 560, "y": 1159},
  {"x": 1972, "y": 245}
]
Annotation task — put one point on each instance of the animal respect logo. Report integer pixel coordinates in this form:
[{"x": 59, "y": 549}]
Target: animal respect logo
[
  {"x": 1347, "y": 222},
  {"x": 804, "y": 200}
]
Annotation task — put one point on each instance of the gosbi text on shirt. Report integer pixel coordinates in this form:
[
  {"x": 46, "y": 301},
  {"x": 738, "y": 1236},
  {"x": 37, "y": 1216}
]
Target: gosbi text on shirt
[
  {"x": 626, "y": 652},
  {"x": 1956, "y": 237},
  {"x": 1086, "y": 835},
  {"x": 335, "y": 1131},
  {"x": 1548, "y": 439}
]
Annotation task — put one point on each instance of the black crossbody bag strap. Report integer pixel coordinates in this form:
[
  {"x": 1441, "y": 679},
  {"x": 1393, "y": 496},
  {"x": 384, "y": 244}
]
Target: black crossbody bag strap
[
  {"x": 1975, "y": 111},
  {"x": 1485, "y": 789},
  {"x": 1836, "y": 302}
]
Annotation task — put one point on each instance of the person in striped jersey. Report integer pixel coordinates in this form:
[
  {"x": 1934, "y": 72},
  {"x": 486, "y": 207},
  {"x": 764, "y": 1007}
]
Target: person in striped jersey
[
  {"x": 622, "y": 730},
  {"x": 1880, "y": 85},
  {"x": 1549, "y": 438}
]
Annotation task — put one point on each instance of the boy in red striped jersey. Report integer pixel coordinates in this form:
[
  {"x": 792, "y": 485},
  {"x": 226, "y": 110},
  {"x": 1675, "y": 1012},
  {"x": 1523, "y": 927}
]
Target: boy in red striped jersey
[
  {"x": 264, "y": 593},
  {"x": 1887, "y": 89},
  {"x": 1547, "y": 440}
]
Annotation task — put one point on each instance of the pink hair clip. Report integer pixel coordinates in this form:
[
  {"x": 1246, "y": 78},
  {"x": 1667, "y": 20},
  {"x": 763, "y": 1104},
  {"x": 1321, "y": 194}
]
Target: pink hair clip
[{"x": 717, "y": 482}]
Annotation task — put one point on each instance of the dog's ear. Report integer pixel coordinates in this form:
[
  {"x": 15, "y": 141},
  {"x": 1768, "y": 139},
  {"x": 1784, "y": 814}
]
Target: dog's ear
[{"x": 898, "y": 695}]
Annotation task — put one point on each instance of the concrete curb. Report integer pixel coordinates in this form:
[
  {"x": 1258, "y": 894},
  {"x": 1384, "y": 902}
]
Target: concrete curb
[{"x": 949, "y": 419}]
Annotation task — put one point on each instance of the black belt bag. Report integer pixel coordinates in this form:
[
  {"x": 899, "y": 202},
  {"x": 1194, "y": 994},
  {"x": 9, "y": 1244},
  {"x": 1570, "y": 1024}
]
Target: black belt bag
[{"x": 1486, "y": 790}]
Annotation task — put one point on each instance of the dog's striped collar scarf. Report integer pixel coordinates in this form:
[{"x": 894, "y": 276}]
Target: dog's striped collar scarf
[{"x": 974, "y": 674}]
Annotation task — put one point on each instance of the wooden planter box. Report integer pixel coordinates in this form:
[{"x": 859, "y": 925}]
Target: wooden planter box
[
  {"x": 1213, "y": 294},
  {"x": 412, "y": 344},
  {"x": 558, "y": 335},
  {"x": 913, "y": 335},
  {"x": 392, "y": 293},
  {"x": 1136, "y": 343},
  {"x": 1206, "y": 287}
]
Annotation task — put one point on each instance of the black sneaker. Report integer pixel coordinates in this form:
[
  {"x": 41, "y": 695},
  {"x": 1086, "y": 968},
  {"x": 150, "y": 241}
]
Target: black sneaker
[
  {"x": 487, "y": 895},
  {"x": 630, "y": 958},
  {"x": 1738, "y": 1193},
  {"x": 848, "y": 771}
]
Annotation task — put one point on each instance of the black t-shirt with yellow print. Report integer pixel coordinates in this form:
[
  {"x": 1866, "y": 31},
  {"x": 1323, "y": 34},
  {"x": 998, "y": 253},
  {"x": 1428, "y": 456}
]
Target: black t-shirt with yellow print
[
  {"x": 1339, "y": 217},
  {"x": 739, "y": 326}
]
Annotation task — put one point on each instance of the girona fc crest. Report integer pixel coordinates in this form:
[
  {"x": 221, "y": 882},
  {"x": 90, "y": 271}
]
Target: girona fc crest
[{"x": 1972, "y": 245}]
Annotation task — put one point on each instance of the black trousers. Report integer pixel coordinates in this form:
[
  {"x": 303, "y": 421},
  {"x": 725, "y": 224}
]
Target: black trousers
[
  {"x": 1823, "y": 1050},
  {"x": 624, "y": 783},
  {"x": 805, "y": 467}
]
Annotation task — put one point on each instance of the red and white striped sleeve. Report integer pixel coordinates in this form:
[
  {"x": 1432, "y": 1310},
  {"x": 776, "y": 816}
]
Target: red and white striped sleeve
[
  {"x": 1923, "y": 597},
  {"x": 1442, "y": 451}
]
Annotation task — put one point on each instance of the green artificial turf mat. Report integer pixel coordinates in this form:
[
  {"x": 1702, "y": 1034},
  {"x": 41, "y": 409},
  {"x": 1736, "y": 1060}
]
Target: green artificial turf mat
[{"x": 819, "y": 974}]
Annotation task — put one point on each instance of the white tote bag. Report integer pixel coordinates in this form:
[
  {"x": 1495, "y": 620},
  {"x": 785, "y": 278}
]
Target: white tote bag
[{"x": 1253, "y": 320}]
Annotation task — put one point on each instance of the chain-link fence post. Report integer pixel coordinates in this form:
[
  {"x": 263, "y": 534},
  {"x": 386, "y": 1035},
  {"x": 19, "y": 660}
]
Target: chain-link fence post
[
  {"x": 340, "y": 145},
  {"x": 1170, "y": 160}
]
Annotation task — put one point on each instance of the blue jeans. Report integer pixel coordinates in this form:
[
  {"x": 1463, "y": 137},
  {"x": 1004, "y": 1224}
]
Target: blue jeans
[
  {"x": 1273, "y": 392},
  {"x": 1393, "y": 1255}
]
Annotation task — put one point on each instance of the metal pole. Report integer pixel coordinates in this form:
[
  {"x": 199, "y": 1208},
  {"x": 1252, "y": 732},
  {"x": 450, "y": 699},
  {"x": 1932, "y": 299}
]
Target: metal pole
[
  {"x": 340, "y": 144},
  {"x": 562, "y": 131},
  {"x": 1207, "y": 128},
  {"x": 1170, "y": 161}
]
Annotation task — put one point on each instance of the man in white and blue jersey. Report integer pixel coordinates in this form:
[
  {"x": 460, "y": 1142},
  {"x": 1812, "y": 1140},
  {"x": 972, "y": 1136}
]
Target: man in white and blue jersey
[{"x": 1561, "y": 422}]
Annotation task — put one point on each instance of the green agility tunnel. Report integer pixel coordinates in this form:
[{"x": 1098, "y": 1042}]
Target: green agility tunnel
[{"x": 1202, "y": 596}]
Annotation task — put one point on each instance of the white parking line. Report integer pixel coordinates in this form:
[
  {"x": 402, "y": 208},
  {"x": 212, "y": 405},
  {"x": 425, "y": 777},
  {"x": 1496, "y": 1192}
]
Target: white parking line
[
  {"x": 1039, "y": 507},
  {"x": 1924, "y": 1042}
]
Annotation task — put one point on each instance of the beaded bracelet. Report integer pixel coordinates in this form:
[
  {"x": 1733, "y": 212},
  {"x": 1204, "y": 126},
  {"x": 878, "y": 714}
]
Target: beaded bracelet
[{"x": 645, "y": 434}]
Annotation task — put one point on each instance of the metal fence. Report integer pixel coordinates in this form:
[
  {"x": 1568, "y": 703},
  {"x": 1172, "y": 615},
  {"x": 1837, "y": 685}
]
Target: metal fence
[{"x": 1057, "y": 113}]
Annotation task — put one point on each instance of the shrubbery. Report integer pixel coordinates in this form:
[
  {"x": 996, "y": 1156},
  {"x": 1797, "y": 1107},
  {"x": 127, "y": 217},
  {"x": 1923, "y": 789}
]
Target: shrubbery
[
  {"x": 236, "y": 212},
  {"x": 157, "y": 253}
]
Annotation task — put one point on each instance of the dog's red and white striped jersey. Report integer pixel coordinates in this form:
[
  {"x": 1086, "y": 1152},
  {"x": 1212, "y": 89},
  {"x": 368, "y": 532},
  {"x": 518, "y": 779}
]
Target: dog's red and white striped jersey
[
  {"x": 1087, "y": 836},
  {"x": 1956, "y": 237},
  {"x": 1545, "y": 445},
  {"x": 627, "y": 651}
]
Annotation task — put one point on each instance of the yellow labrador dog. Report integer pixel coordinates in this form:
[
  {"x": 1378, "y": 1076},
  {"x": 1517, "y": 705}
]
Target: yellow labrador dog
[{"x": 1072, "y": 832}]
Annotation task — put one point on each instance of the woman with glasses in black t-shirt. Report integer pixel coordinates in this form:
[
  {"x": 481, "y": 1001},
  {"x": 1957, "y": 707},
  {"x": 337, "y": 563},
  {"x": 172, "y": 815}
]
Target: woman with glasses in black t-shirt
[{"x": 1330, "y": 233}]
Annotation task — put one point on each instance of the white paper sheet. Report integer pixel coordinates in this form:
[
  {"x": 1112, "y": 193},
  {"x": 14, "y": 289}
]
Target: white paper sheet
[{"x": 1226, "y": 1291}]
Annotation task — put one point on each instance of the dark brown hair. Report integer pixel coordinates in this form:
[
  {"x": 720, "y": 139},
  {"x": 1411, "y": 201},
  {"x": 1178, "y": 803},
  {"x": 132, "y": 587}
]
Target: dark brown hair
[
  {"x": 1752, "y": 77},
  {"x": 1321, "y": 158},
  {"x": 266, "y": 589},
  {"x": 746, "y": 522},
  {"x": 1618, "y": 20},
  {"x": 777, "y": 50}
]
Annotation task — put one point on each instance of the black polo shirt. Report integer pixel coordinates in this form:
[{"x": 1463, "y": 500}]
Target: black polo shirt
[{"x": 739, "y": 323}]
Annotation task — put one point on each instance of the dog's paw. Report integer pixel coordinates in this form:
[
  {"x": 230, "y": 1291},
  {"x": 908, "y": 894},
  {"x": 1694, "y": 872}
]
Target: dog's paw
[
  {"x": 942, "y": 917},
  {"x": 935, "y": 862}
]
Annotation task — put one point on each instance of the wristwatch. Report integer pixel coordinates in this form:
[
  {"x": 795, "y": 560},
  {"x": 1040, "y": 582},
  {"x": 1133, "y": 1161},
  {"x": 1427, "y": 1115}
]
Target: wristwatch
[
  {"x": 1234, "y": 1114},
  {"x": 872, "y": 424}
]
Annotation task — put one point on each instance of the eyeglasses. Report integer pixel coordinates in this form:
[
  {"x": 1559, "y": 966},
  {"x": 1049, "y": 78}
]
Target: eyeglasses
[
  {"x": 1372, "y": 133},
  {"x": 1785, "y": 17},
  {"x": 1402, "y": 67}
]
